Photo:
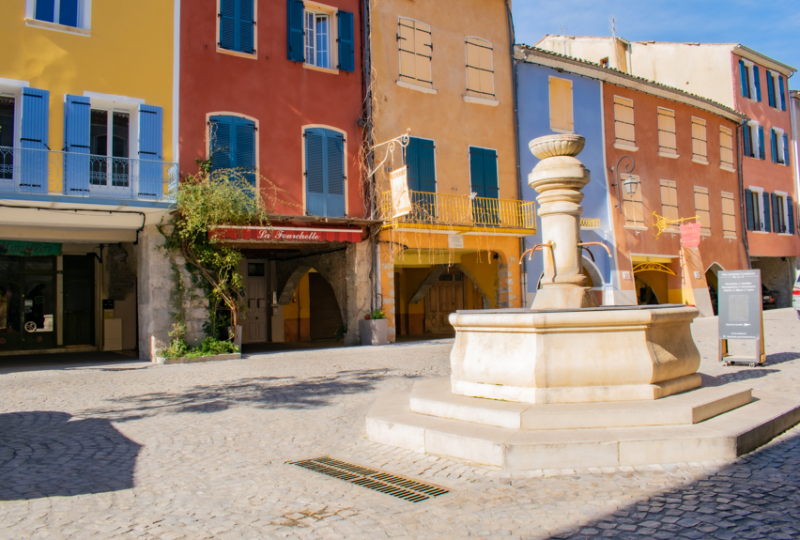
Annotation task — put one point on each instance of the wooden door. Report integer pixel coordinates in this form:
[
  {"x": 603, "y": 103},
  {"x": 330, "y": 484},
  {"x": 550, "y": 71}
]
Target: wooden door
[
  {"x": 257, "y": 310},
  {"x": 446, "y": 296},
  {"x": 325, "y": 313}
]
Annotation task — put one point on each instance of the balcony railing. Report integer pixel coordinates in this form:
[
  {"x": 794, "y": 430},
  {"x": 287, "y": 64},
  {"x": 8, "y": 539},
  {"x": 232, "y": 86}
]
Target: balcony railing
[
  {"x": 27, "y": 170},
  {"x": 441, "y": 210}
]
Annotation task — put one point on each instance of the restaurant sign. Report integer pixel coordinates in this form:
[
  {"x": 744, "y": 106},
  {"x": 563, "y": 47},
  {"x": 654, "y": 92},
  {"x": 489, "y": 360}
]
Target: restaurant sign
[
  {"x": 401, "y": 200},
  {"x": 283, "y": 234},
  {"x": 29, "y": 249},
  {"x": 690, "y": 235}
]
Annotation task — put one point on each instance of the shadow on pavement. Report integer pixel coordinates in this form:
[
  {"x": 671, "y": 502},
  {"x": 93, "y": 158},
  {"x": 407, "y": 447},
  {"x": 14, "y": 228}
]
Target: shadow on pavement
[
  {"x": 45, "y": 454},
  {"x": 40, "y": 362},
  {"x": 758, "y": 497},
  {"x": 263, "y": 392}
]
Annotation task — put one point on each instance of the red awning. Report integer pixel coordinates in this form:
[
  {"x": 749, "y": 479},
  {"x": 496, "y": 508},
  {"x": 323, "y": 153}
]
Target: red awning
[{"x": 288, "y": 234}]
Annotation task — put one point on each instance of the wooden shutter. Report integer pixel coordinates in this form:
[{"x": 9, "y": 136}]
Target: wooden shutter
[
  {"x": 726, "y": 146},
  {"x": 790, "y": 212},
  {"x": 773, "y": 136},
  {"x": 221, "y": 142},
  {"x": 699, "y": 138},
  {"x": 315, "y": 172},
  {"x": 765, "y": 198},
  {"x": 728, "y": 214},
  {"x": 747, "y": 139},
  {"x": 151, "y": 178},
  {"x": 487, "y": 69},
  {"x": 701, "y": 207},
  {"x": 296, "y": 33},
  {"x": 491, "y": 188},
  {"x": 561, "y": 112},
  {"x": 786, "y": 153},
  {"x": 35, "y": 136},
  {"x": 770, "y": 89},
  {"x": 757, "y": 81},
  {"x": 669, "y": 199},
  {"x": 227, "y": 24},
  {"x": 334, "y": 145},
  {"x": 427, "y": 166},
  {"x": 423, "y": 51},
  {"x": 667, "y": 141},
  {"x": 744, "y": 79},
  {"x": 77, "y": 119},
  {"x": 480, "y": 71},
  {"x": 347, "y": 61},
  {"x": 762, "y": 151},
  {"x": 244, "y": 151},
  {"x": 68, "y": 13},
  {"x": 412, "y": 161},
  {"x": 782, "y": 93},
  {"x": 623, "y": 116},
  {"x": 245, "y": 22},
  {"x": 406, "y": 42},
  {"x": 776, "y": 214},
  {"x": 748, "y": 204}
]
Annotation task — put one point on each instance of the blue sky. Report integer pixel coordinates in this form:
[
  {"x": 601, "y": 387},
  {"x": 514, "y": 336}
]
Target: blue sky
[{"x": 771, "y": 27}]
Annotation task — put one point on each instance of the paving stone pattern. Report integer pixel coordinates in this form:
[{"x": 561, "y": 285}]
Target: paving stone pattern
[{"x": 199, "y": 451}]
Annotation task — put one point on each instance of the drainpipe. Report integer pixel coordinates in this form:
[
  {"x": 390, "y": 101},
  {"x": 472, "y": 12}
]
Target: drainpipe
[
  {"x": 515, "y": 90},
  {"x": 742, "y": 205}
]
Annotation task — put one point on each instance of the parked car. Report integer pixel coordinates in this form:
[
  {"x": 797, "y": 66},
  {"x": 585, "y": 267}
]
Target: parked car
[
  {"x": 796, "y": 292},
  {"x": 769, "y": 299}
]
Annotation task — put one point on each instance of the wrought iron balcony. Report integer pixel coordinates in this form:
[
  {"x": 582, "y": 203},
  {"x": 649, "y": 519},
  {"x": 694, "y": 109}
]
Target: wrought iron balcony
[
  {"x": 461, "y": 212},
  {"x": 33, "y": 171}
]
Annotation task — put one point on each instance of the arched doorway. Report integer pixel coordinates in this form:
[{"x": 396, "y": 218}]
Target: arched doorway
[
  {"x": 326, "y": 316},
  {"x": 711, "y": 279},
  {"x": 594, "y": 278},
  {"x": 645, "y": 294}
]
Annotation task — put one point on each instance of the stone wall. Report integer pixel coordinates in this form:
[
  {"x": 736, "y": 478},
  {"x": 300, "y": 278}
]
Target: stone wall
[{"x": 777, "y": 274}]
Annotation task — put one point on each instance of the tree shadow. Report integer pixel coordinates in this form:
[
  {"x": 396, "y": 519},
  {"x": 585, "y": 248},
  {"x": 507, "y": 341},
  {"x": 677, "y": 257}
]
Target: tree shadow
[
  {"x": 44, "y": 454},
  {"x": 756, "y": 497},
  {"x": 261, "y": 392}
]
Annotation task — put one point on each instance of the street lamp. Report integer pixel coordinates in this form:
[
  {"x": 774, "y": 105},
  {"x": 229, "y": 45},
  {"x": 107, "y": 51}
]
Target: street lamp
[{"x": 630, "y": 184}]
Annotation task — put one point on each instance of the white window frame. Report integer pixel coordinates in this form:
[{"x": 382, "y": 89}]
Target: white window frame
[
  {"x": 760, "y": 211},
  {"x": 785, "y": 196},
  {"x": 724, "y": 165},
  {"x": 84, "y": 17},
  {"x": 333, "y": 36},
  {"x": 725, "y": 233},
  {"x": 755, "y": 143}
]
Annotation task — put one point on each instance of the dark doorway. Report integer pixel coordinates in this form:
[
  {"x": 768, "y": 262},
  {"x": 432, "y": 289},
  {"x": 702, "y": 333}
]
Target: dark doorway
[
  {"x": 325, "y": 313},
  {"x": 79, "y": 318}
]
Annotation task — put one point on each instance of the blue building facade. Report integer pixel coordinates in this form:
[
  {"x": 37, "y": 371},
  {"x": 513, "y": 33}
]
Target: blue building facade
[{"x": 582, "y": 100}]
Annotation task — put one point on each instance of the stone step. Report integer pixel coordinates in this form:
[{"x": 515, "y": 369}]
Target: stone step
[
  {"x": 724, "y": 436},
  {"x": 433, "y": 398}
]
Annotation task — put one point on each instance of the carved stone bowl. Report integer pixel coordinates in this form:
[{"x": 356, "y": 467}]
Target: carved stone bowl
[{"x": 561, "y": 144}]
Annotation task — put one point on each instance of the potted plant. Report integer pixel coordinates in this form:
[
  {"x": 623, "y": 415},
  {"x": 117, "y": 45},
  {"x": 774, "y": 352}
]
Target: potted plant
[{"x": 374, "y": 328}]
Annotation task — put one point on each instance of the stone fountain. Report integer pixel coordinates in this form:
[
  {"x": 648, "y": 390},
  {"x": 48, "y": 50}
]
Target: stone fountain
[{"x": 568, "y": 383}]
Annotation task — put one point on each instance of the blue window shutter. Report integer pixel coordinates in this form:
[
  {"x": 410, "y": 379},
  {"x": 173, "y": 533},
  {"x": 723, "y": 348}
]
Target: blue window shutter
[
  {"x": 220, "y": 136},
  {"x": 748, "y": 144},
  {"x": 77, "y": 115},
  {"x": 34, "y": 140},
  {"x": 151, "y": 176},
  {"x": 790, "y": 211},
  {"x": 245, "y": 149},
  {"x": 68, "y": 14},
  {"x": 743, "y": 78},
  {"x": 782, "y": 92},
  {"x": 786, "y": 160},
  {"x": 748, "y": 205},
  {"x": 767, "y": 211},
  {"x": 335, "y": 172},
  {"x": 762, "y": 150},
  {"x": 427, "y": 166},
  {"x": 45, "y": 10},
  {"x": 773, "y": 135},
  {"x": 227, "y": 24},
  {"x": 412, "y": 160},
  {"x": 296, "y": 33},
  {"x": 491, "y": 187},
  {"x": 476, "y": 169},
  {"x": 770, "y": 89},
  {"x": 757, "y": 79},
  {"x": 245, "y": 22},
  {"x": 315, "y": 172},
  {"x": 347, "y": 59}
]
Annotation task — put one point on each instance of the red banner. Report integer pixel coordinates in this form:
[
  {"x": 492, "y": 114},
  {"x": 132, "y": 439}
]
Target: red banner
[
  {"x": 690, "y": 235},
  {"x": 288, "y": 234}
]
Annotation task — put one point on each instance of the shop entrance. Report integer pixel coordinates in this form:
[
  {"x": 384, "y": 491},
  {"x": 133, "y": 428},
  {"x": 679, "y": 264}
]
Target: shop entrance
[
  {"x": 79, "y": 300},
  {"x": 325, "y": 314},
  {"x": 27, "y": 303},
  {"x": 446, "y": 296}
]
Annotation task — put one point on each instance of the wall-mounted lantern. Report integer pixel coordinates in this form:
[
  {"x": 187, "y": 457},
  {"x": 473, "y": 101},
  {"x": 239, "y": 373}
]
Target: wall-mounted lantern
[{"x": 630, "y": 184}]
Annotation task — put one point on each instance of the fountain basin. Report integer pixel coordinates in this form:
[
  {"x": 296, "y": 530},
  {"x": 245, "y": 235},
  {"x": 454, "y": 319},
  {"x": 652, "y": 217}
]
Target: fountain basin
[{"x": 622, "y": 353}]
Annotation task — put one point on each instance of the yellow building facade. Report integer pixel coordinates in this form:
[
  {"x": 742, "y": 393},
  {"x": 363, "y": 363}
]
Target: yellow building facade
[{"x": 443, "y": 76}]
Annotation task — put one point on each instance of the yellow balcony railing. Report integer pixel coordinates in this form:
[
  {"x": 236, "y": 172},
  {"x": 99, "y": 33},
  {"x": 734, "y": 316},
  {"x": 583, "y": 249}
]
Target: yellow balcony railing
[{"x": 445, "y": 211}]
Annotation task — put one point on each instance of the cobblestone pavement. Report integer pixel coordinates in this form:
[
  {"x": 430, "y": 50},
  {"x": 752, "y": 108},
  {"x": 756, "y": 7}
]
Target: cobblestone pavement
[{"x": 199, "y": 451}]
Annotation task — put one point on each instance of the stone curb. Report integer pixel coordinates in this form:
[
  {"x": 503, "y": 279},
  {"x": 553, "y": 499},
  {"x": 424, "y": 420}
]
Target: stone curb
[{"x": 184, "y": 360}]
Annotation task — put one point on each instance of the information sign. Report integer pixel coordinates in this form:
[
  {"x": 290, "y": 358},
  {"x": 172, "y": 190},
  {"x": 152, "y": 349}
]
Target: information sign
[
  {"x": 690, "y": 235},
  {"x": 739, "y": 294},
  {"x": 29, "y": 249}
]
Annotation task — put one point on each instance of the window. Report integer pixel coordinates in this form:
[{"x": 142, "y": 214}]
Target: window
[
  {"x": 775, "y": 90},
  {"x": 7, "y": 141},
  {"x": 750, "y": 80},
  {"x": 416, "y": 51},
  {"x": 632, "y": 205},
  {"x": 237, "y": 26},
  {"x": 669, "y": 201},
  {"x": 64, "y": 12},
  {"x": 233, "y": 146},
  {"x": 623, "y": 123},
  {"x": 780, "y": 146},
  {"x": 321, "y": 36},
  {"x": 480, "y": 69},
  {"x": 701, "y": 209},
  {"x": 109, "y": 147},
  {"x": 561, "y": 112},
  {"x": 726, "y": 148},
  {"x": 780, "y": 217},
  {"x": 757, "y": 208},
  {"x": 483, "y": 182},
  {"x": 753, "y": 136},
  {"x": 318, "y": 39},
  {"x": 699, "y": 141},
  {"x": 728, "y": 216},
  {"x": 325, "y": 172},
  {"x": 667, "y": 143}
]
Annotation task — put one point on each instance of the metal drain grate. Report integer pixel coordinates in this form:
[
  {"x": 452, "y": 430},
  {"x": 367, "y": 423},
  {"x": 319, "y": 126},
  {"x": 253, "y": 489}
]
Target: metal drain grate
[{"x": 396, "y": 486}]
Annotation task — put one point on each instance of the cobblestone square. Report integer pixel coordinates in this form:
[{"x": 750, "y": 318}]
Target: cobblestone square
[{"x": 198, "y": 451}]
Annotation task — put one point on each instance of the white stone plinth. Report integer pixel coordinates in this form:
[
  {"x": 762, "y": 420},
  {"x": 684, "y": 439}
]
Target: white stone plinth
[{"x": 580, "y": 356}]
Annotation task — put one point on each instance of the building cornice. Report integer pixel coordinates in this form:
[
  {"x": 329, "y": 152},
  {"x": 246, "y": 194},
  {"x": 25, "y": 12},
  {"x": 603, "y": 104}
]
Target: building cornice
[{"x": 766, "y": 61}]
